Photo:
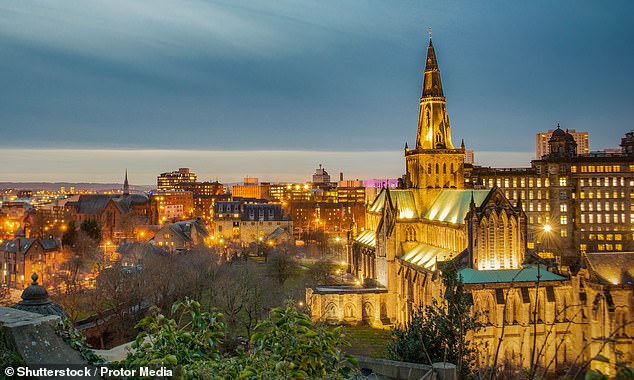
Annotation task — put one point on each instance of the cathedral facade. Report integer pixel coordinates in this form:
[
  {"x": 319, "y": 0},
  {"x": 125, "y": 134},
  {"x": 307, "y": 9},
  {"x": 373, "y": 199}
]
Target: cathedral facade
[{"x": 433, "y": 219}]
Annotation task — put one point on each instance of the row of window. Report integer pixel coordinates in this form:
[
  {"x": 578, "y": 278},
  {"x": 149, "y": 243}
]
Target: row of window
[
  {"x": 598, "y": 194},
  {"x": 608, "y": 237},
  {"x": 598, "y": 168},
  {"x": 603, "y": 247},
  {"x": 607, "y": 181},
  {"x": 604, "y": 218},
  {"x": 598, "y": 206},
  {"x": 544, "y": 182}
]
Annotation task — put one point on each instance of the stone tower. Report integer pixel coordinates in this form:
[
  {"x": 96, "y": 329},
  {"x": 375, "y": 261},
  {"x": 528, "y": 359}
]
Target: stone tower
[{"x": 434, "y": 163}]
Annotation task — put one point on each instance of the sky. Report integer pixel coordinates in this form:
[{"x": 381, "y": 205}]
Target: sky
[{"x": 272, "y": 89}]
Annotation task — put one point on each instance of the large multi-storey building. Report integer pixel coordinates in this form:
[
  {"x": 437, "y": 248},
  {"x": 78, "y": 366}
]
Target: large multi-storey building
[
  {"x": 169, "y": 180},
  {"x": 202, "y": 188},
  {"x": 247, "y": 223},
  {"x": 542, "y": 147},
  {"x": 252, "y": 188},
  {"x": 575, "y": 203},
  {"x": 171, "y": 206}
]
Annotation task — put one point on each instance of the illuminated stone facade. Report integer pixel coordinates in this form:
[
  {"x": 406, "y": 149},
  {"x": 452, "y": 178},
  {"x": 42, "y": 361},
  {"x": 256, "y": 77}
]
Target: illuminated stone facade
[
  {"x": 574, "y": 203},
  {"x": 567, "y": 314}
]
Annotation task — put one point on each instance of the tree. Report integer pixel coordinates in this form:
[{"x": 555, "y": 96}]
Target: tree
[
  {"x": 69, "y": 237},
  {"x": 91, "y": 228},
  {"x": 438, "y": 332},
  {"x": 281, "y": 266}
]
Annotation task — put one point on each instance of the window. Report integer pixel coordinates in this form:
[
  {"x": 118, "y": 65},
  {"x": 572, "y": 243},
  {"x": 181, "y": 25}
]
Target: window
[
  {"x": 563, "y": 233},
  {"x": 563, "y": 219},
  {"x": 563, "y": 181}
]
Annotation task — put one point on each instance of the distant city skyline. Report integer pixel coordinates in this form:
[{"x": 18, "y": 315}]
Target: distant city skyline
[{"x": 91, "y": 88}]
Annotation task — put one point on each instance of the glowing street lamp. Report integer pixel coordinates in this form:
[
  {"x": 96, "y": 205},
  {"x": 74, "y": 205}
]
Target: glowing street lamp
[{"x": 548, "y": 228}]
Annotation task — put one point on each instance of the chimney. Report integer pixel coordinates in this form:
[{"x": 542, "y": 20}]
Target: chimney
[{"x": 340, "y": 176}]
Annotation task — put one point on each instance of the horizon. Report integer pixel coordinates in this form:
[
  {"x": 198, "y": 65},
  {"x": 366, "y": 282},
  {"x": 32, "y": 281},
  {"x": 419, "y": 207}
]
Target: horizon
[{"x": 121, "y": 81}]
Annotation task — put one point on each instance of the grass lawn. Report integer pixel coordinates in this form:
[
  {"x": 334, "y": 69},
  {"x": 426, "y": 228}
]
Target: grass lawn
[{"x": 367, "y": 341}]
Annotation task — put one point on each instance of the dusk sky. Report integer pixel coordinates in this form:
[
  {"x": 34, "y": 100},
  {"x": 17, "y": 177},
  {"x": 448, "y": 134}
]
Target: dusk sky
[{"x": 271, "y": 89}]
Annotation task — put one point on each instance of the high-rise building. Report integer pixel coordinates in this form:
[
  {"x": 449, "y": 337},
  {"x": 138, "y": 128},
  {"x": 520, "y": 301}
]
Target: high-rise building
[
  {"x": 169, "y": 180},
  {"x": 542, "y": 148},
  {"x": 574, "y": 203}
]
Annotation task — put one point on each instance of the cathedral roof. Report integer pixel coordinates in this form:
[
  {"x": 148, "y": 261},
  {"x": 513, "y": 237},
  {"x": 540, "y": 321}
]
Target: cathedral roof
[
  {"x": 526, "y": 274},
  {"x": 452, "y": 206},
  {"x": 426, "y": 256},
  {"x": 367, "y": 237},
  {"x": 612, "y": 267},
  {"x": 402, "y": 200}
]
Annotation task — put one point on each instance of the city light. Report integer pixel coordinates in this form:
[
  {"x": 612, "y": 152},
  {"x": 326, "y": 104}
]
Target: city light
[{"x": 547, "y": 228}]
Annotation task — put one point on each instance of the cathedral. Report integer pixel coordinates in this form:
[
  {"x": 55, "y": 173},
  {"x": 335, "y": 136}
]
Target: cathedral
[{"x": 433, "y": 219}]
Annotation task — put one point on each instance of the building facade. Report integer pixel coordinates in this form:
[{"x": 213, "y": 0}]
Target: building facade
[
  {"x": 170, "y": 180},
  {"x": 574, "y": 203},
  {"x": 246, "y": 223},
  {"x": 20, "y": 257}
]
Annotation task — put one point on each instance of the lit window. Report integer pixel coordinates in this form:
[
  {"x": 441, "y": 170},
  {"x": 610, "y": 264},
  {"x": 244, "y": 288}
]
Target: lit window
[
  {"x": 563, "y": 233},
  {"x": 562, "y": 181},
  {"x": 563, "y": 219},
  {"x": 563, "y": 207}
]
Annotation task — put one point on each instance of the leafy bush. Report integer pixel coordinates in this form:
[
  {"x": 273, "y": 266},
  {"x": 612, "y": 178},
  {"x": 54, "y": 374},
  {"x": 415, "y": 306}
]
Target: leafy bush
[{"x": 287, "y": 346}]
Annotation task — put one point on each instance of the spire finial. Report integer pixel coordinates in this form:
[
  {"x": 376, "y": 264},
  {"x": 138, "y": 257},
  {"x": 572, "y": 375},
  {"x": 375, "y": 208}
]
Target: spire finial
[
  {"x": 429, "y": 28},
  {"x": 34, "y": 277}
]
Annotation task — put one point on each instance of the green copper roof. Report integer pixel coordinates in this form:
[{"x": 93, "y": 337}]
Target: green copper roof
[
  {"x": 526, "y": 274},
  {"x": 426, "y": 256},
  {"x": 452, "y": 205},
  {"x": 403, "y": 200}
]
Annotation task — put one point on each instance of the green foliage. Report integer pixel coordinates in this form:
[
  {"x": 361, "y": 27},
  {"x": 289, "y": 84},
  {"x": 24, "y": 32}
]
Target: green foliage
[
  {"x": 281, "y": 267},
  {"x": 438, "y": 332},
  {"x": 287, "y": 346},
  {"x": 91, "y": 228},
  {"x": 188, "y": 340},
  {"x": 77, "y": 340}
]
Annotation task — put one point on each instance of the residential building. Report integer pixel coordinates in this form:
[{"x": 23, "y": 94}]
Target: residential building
[
  {"x": 181, "y": 236},
  {"x": 247, "y": 223},
  {"x": 20, "y": 257}
]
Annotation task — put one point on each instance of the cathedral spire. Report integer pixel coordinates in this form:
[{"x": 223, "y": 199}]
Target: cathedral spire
[
  {"x": 126, "y": 186},
  {"x": 433, "y": 122}
]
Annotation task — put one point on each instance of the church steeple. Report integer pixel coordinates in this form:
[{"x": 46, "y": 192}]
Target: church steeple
[
  {"x": 434, "y": 163},
  {"x": 433, "y": 122},
  {"x": 126, "y": 186}
]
